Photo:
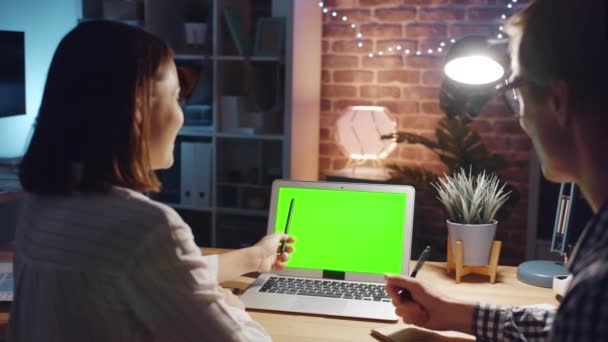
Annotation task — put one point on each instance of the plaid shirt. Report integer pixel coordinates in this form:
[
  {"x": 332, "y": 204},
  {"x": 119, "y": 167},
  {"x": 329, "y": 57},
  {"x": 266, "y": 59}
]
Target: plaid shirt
[{"x": 583, "y": 313}]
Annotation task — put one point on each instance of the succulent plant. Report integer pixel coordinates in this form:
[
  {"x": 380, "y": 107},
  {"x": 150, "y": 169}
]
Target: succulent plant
[{"x": 471, "y": 198}]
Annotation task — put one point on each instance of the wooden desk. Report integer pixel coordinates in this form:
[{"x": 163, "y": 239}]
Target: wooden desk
[
  {"x": 297, "y": 327},
  {"x": 474, "y": 288}
]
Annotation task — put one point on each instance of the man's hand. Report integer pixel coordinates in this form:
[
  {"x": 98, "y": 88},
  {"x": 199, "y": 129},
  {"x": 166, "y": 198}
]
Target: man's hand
[{"x": 428, "y": 309}]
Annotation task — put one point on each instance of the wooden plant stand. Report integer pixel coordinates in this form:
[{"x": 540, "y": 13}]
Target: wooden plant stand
[{"x": 462, "y": 270}]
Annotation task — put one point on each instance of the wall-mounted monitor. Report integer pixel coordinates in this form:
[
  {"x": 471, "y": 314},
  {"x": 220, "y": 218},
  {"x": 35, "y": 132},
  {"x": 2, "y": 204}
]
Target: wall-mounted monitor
[{"x": 12, "y": 73}]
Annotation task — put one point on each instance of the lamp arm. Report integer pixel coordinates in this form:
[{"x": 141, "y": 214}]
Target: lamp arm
[{"x": 562, "y": 218}]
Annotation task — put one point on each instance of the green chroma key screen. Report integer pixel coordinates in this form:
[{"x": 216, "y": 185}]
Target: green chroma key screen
[{"x": 344, "y": 230}]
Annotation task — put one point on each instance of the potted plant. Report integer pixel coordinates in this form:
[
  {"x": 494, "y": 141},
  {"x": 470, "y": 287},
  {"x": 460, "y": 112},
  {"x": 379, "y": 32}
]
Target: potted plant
[
  {"x": 195, "y": 22},
  {"x": 472, "y": 201}
]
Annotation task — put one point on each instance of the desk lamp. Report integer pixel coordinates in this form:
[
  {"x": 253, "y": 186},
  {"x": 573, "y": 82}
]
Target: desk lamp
[
  {"x": 474, "y": 67},
  {"x": 359, "y": 129},
  {"x": 541, "y": 272}
]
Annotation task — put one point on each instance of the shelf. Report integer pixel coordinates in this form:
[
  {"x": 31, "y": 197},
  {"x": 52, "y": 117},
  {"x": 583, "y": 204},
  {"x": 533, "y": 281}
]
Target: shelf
[
  {"x": 243, "y": 148},
  {"x": 187, "y": 207},
  {"x": 207, "y": 131},
  {"x": 247, "y": 212},
  {"x": 191, "y": 57},
  {"x": 244, "y": 185},
  {"x": 197, "y": 131},
  {"x": 251, "y": 58},
  {"x": 255, "y": 136}
]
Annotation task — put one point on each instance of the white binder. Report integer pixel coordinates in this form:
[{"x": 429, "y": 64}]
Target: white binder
[{"x": 195, "y": 184}]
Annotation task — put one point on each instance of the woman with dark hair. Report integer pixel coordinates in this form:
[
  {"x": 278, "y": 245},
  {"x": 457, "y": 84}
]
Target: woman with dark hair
[
  {"x": 95, "y": 259},
  {"x": 559, "y": 56}
]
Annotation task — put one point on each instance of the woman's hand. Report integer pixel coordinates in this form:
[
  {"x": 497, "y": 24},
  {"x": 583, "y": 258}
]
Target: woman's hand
[
  {"x": 428, "y": 309},
  {"x": 261, "y": 257},
  {"x": 267, "y": 250}
]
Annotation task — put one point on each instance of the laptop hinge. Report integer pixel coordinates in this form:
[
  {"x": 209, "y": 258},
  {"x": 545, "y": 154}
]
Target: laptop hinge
[{"x": 333, "y": 275}]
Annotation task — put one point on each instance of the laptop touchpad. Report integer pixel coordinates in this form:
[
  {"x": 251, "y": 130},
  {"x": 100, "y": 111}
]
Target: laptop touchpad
[{"x": 312, "y": 304}]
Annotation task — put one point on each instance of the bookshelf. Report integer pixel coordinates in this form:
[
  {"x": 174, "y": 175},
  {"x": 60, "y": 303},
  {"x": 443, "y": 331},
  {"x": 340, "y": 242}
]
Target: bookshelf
[{"x": 249, "y": 117}]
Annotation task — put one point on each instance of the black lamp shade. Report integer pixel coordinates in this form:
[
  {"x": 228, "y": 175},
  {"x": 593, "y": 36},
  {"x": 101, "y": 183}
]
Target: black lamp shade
[
  {"x": 474, "y": 56},
  {"x": 473, "y": 68}
]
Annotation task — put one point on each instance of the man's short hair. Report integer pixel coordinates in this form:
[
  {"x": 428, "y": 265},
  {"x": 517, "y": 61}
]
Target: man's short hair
[{"x": 564, "y": 40}]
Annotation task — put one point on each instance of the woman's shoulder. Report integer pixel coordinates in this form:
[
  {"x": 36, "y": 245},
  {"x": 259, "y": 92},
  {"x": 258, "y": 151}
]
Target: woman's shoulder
[
  {"x": 118, "y": 206},
  {"x": 144, "y": 207},
  {"x": 107, "y": 226}
]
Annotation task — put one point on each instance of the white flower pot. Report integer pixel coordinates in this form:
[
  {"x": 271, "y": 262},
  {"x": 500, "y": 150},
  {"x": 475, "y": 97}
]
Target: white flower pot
[{"x": 476, "y": 238}]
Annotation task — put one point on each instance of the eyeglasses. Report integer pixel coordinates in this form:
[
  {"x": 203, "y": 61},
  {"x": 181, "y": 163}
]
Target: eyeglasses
[{"x": 511, "y": 95}]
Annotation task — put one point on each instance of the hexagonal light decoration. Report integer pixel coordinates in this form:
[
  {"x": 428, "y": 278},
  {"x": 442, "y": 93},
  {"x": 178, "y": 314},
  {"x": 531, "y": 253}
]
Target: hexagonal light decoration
[{"x": 359, "y": 129}]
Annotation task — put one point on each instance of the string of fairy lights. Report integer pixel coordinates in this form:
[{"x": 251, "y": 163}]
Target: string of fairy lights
[{"x": 394, "y": 49}]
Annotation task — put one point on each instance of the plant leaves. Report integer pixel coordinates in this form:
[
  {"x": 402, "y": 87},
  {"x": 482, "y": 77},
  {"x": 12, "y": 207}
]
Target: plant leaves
[{"x": 458, "y": 145}]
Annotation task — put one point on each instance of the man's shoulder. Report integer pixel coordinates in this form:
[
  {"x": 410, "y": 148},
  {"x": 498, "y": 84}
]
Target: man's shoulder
[
  {"x": 592, "y": 277},
  {"x": 584, "y": 310}
]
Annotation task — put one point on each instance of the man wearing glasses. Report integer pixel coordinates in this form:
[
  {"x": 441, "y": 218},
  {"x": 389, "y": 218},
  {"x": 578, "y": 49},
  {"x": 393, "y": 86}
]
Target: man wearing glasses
[{"x": 559, "y": 86}]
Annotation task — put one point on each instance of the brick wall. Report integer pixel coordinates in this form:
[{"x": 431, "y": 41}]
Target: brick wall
[{"x": 408, "y": 86}]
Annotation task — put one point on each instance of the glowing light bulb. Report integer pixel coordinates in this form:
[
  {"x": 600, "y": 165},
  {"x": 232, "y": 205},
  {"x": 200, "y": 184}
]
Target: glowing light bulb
[
  {"x": 321, "y": 4},
  {"x": 474, "y": 70}
]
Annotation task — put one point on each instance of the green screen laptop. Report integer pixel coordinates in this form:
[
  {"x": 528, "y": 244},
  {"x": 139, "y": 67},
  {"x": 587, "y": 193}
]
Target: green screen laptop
[{"x": 348, "y": 235}]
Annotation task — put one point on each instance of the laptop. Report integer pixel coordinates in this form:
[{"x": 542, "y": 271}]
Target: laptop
[{"x": 347, "y": 236}]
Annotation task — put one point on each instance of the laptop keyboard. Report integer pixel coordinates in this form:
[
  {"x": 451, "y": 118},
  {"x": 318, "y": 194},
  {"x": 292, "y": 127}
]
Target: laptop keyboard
[{"x": 325, "y": 288}]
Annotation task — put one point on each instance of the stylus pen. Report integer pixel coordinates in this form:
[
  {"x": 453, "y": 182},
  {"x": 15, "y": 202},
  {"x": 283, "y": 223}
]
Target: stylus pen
[
  {"x": 405, "y": 295},
  {"x": 284, "y": 243}
]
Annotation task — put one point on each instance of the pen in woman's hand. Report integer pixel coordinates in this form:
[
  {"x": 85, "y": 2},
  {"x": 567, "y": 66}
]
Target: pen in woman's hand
[
  {"x": 404, "y": 294},
  {"x": 284, "y": 243}
]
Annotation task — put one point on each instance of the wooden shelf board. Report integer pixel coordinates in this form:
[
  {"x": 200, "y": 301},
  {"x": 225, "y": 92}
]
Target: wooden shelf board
[
  {"x": 243, "y": 185},
  {"x": 202, "y": 131},
  {"x": 192, "y": 57},
  {"x": 187, "y": 207},
  {"x": 254, "y": 136},
  {"x": 246, "y": 212},
  {"x": 251, "y": 58}
]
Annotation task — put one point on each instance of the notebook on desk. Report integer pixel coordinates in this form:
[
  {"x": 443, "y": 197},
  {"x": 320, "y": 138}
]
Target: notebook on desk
[{"x": 348, "y": 235}]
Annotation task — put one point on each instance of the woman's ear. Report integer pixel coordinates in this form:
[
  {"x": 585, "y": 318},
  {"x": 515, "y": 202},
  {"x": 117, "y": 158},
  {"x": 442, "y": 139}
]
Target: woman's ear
[{"x": 560, "y": 102}]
